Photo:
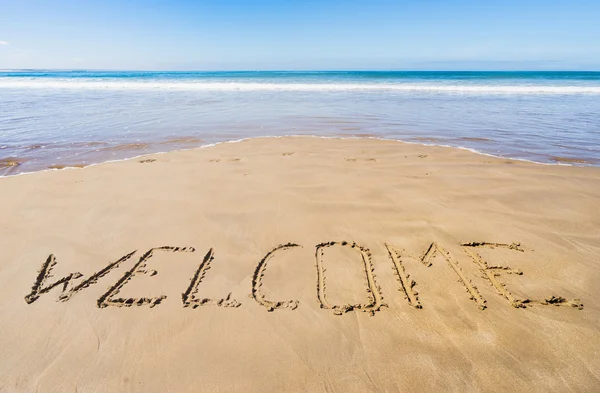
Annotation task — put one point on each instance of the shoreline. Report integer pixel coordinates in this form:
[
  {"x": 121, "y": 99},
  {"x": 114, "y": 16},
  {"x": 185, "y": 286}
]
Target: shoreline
[
  {"x": 574, "y": 163},
  {"x": 532, "y": 119}
]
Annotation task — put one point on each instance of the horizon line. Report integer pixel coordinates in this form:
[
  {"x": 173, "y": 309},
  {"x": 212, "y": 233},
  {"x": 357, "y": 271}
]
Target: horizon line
[{"x": 288, "y": 70}]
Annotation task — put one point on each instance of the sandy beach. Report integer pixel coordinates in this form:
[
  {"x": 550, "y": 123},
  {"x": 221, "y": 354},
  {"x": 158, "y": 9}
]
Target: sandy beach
[{"x": 302, "y": 264}]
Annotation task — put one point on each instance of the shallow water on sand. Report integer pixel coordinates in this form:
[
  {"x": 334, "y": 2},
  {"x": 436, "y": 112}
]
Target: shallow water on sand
[{"x": 57, "y": 119}]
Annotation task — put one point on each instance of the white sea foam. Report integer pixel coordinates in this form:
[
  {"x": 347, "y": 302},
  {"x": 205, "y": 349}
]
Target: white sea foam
[
  {"x": 210, "y": 145},
  {"x": 18, "y": 83}
]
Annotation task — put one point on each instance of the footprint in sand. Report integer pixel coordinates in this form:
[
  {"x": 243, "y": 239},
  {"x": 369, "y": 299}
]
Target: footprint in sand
[
  {"x": 219, "y": 160},
  {"x": 360, "y": 159}
]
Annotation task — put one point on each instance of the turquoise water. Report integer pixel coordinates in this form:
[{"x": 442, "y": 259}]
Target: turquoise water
[{"x": 50, "y": 118}]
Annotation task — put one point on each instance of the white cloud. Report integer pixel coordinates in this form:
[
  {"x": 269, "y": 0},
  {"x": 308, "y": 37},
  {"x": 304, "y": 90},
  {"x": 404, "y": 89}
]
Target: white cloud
[{"x": 4, "y": 43}]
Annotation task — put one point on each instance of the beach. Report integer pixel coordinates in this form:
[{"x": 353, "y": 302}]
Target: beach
[{"x": 302, "y": 264}]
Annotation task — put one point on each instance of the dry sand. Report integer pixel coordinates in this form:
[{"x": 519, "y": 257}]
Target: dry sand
[{"x": 200, "y": 320}]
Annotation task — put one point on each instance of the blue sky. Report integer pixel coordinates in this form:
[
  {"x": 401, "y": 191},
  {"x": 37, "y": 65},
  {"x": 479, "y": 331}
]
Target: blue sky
[{"x": 302, "y": 34}]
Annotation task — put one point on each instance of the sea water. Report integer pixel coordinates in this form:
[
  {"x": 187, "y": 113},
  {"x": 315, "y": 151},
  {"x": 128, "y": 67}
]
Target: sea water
[{"x": 62, "y": 118}]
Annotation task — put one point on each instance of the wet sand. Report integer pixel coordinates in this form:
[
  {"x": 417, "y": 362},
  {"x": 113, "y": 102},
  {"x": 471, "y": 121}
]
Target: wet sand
[{"x": 302, "y": 264}]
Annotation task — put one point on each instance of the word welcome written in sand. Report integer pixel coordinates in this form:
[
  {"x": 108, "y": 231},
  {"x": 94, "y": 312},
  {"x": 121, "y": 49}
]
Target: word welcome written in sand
[{"x": 374, "y": 297}]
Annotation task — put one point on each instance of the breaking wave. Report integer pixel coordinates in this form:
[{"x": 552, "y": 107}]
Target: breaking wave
[{"x": 17, "y": 83}]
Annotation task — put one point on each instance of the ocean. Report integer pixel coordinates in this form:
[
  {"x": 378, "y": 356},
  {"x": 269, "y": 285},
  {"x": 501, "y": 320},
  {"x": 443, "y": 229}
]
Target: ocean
[{"x": 52, "y": 119}]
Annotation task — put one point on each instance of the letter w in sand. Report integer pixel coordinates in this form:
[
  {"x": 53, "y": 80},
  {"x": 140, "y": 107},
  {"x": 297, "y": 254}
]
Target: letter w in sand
[{"x": 40, "y": 287}]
